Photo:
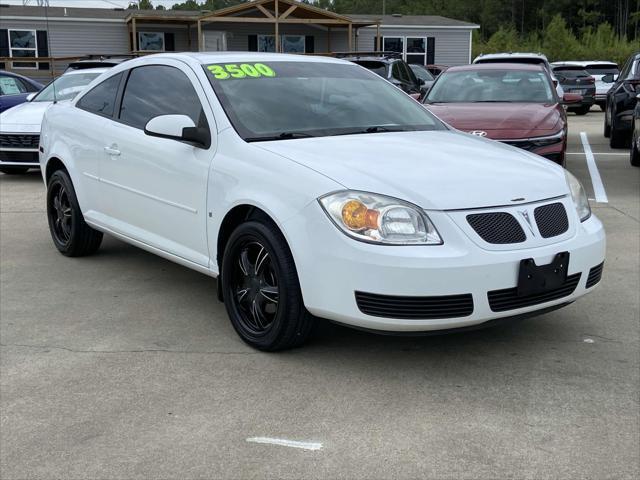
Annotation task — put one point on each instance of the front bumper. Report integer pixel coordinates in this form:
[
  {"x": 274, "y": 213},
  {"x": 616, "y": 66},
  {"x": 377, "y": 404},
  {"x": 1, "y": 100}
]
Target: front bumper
[
  {"x": 333, "y": 267},
  {"x": 19, "y": 149}
]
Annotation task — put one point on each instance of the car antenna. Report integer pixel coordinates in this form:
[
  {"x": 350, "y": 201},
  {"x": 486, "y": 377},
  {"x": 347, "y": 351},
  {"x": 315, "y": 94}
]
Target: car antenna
[{"x": 51, "y": 64}]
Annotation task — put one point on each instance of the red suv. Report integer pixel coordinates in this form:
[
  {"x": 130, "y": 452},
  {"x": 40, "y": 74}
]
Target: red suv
[{"x": 513, "y": 103}]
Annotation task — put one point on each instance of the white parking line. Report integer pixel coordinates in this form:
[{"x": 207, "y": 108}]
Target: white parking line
[
  {"x": 596, "y": 180},
  {"x": 286, "y": 443},
  {"x": 599, "y": 153}
]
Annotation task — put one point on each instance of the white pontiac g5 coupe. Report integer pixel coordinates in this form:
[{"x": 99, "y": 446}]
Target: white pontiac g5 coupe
[{"x": 310, "y": 187}]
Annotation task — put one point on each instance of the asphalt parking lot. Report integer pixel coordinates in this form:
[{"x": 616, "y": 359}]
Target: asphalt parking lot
[{"x": 124, "y": 365}]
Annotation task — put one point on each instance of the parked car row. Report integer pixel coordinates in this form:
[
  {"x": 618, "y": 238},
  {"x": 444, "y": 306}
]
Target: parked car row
[{"x": 20, "y": 124}]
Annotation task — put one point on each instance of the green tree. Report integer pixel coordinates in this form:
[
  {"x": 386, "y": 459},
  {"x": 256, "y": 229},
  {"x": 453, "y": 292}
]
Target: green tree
[{"x": 558, "y": 42}]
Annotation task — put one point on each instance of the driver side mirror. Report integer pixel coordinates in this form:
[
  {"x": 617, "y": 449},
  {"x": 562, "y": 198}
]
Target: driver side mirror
[
  {"x": 30, "y": 96},
  {"x": 180, "y": 128},
  {"x": 569, "y": 98}
]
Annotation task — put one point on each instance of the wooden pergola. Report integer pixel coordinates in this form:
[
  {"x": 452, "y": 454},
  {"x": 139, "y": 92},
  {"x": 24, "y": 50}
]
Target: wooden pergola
[
  {"x": 274, "y": 12},
  {"x": 279, "y": 12}
]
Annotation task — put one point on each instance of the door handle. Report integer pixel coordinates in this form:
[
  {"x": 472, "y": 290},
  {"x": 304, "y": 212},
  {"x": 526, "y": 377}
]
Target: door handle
[{"x": 112, "y": 151}]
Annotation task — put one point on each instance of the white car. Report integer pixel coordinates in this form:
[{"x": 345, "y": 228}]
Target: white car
[
  {"x": 598, "y": 69},
  {"x": 519, "y": 57},
  {"x": 20, "y": 125},
  {"x": 312, "y": 187}
]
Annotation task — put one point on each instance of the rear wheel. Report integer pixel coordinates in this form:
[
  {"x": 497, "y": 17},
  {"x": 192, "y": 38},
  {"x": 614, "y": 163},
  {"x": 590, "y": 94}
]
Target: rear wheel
[
  {"x": 618, "y": 137},
  {"x": 261, "y": 288},
  {"x": 607, "y": 125},
  {"x": 69, "y": 232},
  {"x": 634, "y": 155},
  {"x": 14, "y": 170}
]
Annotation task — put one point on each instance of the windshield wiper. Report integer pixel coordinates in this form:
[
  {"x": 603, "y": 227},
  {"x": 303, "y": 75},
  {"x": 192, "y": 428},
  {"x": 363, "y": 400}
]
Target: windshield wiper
[
  {"x": 280, "y": 136},
  {"x": 375, "y": 129}
]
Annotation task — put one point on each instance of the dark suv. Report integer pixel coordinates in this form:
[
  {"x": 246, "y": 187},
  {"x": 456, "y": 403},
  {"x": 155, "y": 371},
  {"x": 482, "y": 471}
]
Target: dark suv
[
  {"x": 390, "y": 66},
  {"x": 575, "y": 79},
  {"x": 621, "y": 100}
]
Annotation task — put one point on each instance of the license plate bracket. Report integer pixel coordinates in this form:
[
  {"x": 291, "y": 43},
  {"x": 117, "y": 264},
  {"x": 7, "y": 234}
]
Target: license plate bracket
[{"x": 533, "y": 279}]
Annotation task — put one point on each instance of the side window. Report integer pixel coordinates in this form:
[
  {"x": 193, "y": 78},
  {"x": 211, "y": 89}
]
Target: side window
[
  {"x": 396, "y": 72},
  {"x": 12, "y": 86},
  {"x": 102, "y": 98},
  {"x": 159, "y": 90}
]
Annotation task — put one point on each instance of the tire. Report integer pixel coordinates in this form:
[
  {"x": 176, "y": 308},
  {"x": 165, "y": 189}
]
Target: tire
[
  {"x": 634, "y": 154},
  {"x": 607, "y": 126},
  {"x": 69, "y": 232},
  {"x": 581, "y": 110},
  {"x": 618, "y": 138},
  {"x": 261, "y": 289},
  {"x": 14, "y": 170}
]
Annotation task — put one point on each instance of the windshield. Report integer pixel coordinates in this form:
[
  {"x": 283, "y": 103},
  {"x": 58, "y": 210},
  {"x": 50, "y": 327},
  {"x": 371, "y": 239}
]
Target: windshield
[
  {"x": 491, "y": 86},
  {"x": 422, "y": 73},
  {"x": 282, "y": 100},
  {"x": 66, "y": 87},
  {"x": 602, "y": 69},
  {"x": 379, "y": 68},
  {"x": 571, "y": 72}
]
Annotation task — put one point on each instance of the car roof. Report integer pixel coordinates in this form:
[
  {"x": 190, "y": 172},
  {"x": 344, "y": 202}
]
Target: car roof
[
  {"x": 85, "y": 70},
  {"x": 582, "y": 63},
  {"x": 496, "y": 66},
  {"x": 489, "y": 56},
  {"x": 214, "y": 57}
]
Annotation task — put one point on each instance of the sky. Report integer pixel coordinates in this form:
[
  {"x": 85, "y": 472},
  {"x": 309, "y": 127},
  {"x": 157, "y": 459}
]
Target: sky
[{"x": 91, "y": 3}]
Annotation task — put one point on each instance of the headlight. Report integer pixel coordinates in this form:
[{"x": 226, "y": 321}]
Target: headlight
[
  {"x": 379, "y": 219},
  {"x": 539, "y": 142},
  {"x": 579, "y": 196}
]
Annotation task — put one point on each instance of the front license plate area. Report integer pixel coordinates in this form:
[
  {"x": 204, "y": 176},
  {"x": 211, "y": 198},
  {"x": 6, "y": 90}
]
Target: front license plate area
[{"x": 534, "y": 278}]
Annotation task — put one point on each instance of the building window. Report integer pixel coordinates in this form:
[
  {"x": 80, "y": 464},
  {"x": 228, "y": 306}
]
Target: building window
[
  {"x": 151, "y": 42},
  {"x": 23, "y": 44},
  {"x": 266, "y": 43},
  {"x": 416, "y": 50},
  {"x": 289, "y": 43},
  {"x": 393, "y": 44}
]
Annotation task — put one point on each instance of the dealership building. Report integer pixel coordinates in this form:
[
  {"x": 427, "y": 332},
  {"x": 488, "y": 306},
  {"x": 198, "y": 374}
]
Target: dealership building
[{"x": 44, "y": 38}]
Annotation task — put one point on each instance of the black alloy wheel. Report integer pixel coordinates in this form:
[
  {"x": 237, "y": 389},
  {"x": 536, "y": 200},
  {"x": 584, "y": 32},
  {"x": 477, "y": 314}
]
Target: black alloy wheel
[
  {"x": 69, "y": 232},
  {"x": 255, "y": 285},
  {"x": 261, "y": 289},
  {"x": 60, "y": 214}
]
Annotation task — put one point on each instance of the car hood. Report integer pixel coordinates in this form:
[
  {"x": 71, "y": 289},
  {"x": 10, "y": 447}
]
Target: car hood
[
  {"x": 25, "y": 117},
  {"x": 439, "y": 170},
  {"x": 500, "y": 120}
]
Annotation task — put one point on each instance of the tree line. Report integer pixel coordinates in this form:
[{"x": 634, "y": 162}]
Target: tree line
[{"x": 562, "y": 29}]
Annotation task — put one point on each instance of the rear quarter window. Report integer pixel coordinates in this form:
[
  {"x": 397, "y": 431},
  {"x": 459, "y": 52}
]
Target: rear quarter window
[{"x": 102, "y": 98}]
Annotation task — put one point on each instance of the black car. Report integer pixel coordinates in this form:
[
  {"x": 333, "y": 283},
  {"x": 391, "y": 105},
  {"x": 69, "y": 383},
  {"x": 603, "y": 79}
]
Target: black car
[
  {"x": 390, "y": 66},
  {"x": 621, "y": 101},
  {"x": 635, "y": 136},
  {"x": 575, "y": 79},
  {"x": 424, "y": 77}
]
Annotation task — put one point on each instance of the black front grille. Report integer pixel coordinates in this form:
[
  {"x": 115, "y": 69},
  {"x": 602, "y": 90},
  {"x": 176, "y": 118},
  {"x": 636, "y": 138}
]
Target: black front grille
[
  {"x": 595, "y": 274},
  {"x": 415, "y": 308},
  {"x": 498, "y": 227},
  {"x": 551, "y": 219},
  {"x": 17, "y": 140},
  {"x": 508, "y": 299},
  {"x": 24, "y": 157}
]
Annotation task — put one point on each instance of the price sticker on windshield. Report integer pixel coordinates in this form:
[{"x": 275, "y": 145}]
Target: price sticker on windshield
[{"x": 241, "y": 70}]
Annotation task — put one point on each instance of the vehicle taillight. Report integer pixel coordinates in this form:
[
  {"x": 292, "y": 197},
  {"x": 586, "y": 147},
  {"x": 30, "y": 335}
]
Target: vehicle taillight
[{"x": 590, "y": 80}]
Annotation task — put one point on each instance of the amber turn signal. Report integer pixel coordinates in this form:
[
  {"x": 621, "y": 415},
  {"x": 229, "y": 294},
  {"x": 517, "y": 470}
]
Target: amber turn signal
[{"x": 356, "y": 216}]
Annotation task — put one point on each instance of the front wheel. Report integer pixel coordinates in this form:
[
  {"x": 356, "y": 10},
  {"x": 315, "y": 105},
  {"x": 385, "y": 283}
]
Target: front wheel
[
  {"x": 634, "y": 155},
  {"x": 69, "y": 232},
  {"x": 261, "y": 289}
]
